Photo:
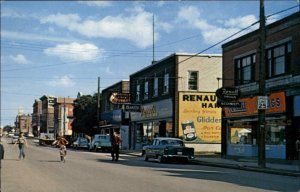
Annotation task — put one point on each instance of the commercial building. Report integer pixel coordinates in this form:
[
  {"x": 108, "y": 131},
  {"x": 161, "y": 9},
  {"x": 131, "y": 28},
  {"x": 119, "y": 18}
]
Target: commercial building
[
  {"x": 47, "y": 118},
  {"x": 161, "y": 88},
  {"x": 36, "y": 117},
  {"x": 241, "y": 70}
]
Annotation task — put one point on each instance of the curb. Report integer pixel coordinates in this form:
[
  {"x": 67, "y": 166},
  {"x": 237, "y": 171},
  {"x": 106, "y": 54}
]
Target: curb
[
  {"x": 248, "y": 168},
  {"x": 236, "y": 166}
]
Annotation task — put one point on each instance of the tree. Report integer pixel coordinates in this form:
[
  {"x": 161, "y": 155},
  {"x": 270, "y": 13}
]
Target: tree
[{"x": 85, "y": 114}]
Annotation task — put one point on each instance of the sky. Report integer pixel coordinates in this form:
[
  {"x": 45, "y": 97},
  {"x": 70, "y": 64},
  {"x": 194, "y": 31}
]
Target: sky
[{"x": 60, "y": 48}]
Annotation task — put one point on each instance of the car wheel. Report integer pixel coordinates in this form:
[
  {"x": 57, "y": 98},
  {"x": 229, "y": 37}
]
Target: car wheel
[
  {"x": 95, "y": 148},
  {"x": 146, "y": 158},
  {"x": 161, "y": 159}
]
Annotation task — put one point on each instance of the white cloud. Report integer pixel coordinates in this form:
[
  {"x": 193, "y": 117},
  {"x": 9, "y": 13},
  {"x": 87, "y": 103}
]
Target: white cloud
[
  {"x": 19, "y": 59},
  {"x": 137, "y": 27},
  {"x": 76, "y": 52},
  {"x": 64, "y": 81},
  {"x": 11, "y": 13},
  {"x": 14, "y": 35},
  {"x": 213, "y": 33},
  {"x": 241, "y": 21},
  {"x": 96, "y": 3}
]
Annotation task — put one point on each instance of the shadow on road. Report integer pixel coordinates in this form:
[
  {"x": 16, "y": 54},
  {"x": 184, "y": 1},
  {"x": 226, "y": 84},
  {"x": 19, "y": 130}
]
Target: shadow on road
[{"x": 191, "y": 170}]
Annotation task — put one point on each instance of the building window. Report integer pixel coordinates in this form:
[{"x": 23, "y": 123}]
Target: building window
[
  {"x": 138, "y": 91},
  {"x": 155, "y": 87},
  {"x": 193, "y": 80},
  {"x": 166, "y": 83},
  {"x": 244, "y": 69},
  {"x": 146, "y": 90},
  {"x": 278, "y": 59}
]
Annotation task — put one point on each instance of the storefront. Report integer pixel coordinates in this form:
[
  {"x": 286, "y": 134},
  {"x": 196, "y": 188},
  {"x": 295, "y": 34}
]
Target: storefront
[
  {"x": 154, "y": 120},
  {"x": 242, "y": 123}
]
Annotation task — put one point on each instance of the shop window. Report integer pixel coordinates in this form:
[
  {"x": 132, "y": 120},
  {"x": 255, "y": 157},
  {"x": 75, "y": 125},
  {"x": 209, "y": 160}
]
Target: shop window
[
  {"x": 240, "y": 135},
  {"x": 275, "y": 134}
]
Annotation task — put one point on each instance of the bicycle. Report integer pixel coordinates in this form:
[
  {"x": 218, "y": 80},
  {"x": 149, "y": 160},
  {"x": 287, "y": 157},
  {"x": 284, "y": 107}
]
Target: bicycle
[{"x": 63, "y": 153}]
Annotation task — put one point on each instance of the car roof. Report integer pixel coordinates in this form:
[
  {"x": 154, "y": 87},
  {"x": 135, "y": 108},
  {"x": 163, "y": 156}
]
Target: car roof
[{"x": 168, "y": 138}]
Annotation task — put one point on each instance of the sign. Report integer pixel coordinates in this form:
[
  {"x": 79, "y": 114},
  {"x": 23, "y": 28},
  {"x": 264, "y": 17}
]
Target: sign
[
  {"x": 119, "y": 98},
  {"x": 262, "y": 102},
  {"x": 199, "y": 117},
  {"x": 228, "y": 93},
  {"x": 222, "y": 103},
  {"x": 132, "y": 108},
  {"x": 276, "y": 104}
]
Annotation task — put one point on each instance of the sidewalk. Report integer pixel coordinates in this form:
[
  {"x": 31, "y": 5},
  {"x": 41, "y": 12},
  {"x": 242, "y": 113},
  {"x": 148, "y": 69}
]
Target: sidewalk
[{"x": 281, "y": 167}]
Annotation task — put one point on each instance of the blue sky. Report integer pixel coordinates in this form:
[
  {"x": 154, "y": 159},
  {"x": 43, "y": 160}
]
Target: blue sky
[{"x": 60, "y": 48}]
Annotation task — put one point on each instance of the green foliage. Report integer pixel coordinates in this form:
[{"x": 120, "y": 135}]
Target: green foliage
[{"x": 85, "y": 114}]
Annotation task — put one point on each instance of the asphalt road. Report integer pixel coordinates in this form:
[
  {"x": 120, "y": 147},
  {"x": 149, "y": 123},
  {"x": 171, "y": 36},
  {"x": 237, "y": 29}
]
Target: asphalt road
[{"x": 84, "y": 171}]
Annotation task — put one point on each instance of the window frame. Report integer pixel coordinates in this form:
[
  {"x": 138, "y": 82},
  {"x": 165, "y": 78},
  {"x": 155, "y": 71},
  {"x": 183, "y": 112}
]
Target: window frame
[
  {"x": 273, "y": 54},
  {"x": 244, "y": 67},
  {"x": 194, "y": 80}
]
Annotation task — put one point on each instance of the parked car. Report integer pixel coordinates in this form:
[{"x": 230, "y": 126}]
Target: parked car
[
  {"x": 14, "y": 139},
  {"x": 81, "y": 142},
  {"x": 166, "y": 148},
  {"x": 101, "y": 142}
]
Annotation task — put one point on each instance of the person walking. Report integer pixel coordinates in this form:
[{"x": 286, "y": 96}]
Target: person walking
[
  {"x": 115, "y": 144},
  {"x": 21, "y": 144},
  {"x": 1, "y": 150},
  {"x": 62, "y": 142}
]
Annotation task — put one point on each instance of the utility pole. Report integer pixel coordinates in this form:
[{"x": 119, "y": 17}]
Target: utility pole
[
  {"x": 262, "y": 89},
  {"x": 64, "y": 131},
  {"x": 98, "y": 106}
]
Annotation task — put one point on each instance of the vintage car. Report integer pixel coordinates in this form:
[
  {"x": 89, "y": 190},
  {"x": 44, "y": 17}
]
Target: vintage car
[{"x": 166, "y": 148}]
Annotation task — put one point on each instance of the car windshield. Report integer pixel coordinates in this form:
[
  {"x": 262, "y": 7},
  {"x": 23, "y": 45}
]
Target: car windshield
[{"x": 172, "y": 142}]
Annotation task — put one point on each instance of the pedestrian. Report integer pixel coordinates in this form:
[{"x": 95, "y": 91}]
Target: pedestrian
[
  {"x": 21, "y": 143},
  {"x": 115, "y": 144},
  {"x": 62, "y": 142},
  {"x": 1, "y": 150}
]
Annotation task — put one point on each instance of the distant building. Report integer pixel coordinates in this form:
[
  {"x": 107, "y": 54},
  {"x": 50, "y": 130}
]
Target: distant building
[
  {"x": 47, "y": 118},
  {"x": 63, "y": 116},
  {"x": 36, "y": 117},
  {"x": 23, "y": 123}
]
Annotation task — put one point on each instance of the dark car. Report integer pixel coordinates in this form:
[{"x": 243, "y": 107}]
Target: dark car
[{"x": 166, "y": 148}]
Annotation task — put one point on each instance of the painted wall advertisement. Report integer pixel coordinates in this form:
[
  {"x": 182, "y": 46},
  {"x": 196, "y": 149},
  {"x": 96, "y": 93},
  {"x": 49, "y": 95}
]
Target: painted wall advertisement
[{"x": 199, "y": 117}]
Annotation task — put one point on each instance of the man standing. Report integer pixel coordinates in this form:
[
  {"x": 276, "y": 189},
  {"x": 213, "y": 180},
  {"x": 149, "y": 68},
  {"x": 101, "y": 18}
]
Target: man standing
[
  {"x": 21, "y": 143},
  {"x": 115, "y": 144}
]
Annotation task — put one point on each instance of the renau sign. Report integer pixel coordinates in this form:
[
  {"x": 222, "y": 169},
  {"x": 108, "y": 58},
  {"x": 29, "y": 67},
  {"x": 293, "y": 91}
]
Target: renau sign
[{"x": 228, "y": 94}]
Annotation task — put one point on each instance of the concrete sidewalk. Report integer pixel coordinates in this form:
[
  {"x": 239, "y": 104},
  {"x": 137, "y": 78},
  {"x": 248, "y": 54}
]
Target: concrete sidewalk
[{"x": 281, "y": 167}]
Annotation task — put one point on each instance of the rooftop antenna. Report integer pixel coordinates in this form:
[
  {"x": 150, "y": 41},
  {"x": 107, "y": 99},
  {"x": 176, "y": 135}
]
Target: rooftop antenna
[{"x": 153, "y": 59}]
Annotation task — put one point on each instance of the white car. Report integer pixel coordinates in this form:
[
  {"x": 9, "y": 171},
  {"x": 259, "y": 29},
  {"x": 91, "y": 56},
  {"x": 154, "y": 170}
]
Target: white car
[
  {"x": 81, "y": 143},
  {"x": 101, "y": 142},
  {"x": 14, "y": 139}
]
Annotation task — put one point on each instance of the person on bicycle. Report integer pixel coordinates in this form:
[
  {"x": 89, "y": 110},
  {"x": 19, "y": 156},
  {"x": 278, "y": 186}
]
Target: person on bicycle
[{"x": 62, "y": 142}]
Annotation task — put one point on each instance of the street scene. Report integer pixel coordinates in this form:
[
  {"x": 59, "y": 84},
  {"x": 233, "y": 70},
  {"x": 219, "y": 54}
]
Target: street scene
[
  {"x": 85, "y": 171},
  {"x": 150, "y": 96}
]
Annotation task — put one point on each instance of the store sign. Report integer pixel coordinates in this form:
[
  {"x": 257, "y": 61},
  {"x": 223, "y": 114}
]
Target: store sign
[
  {"x": 234, "y": 104},
  {"x": 228, "y": 94},
  {"x": 132, "y": 108},
  {"x": 275, "y": 104},
  {"x": 119, "y": 98}
]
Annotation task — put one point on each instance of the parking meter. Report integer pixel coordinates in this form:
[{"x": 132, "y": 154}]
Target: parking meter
[
  {"x": 298, "y": 149},
  {"x": 298, "y": 145}
]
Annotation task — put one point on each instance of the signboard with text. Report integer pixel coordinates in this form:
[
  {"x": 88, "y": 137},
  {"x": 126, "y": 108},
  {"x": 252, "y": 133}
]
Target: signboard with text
[{"x": 199, "y": 117}]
